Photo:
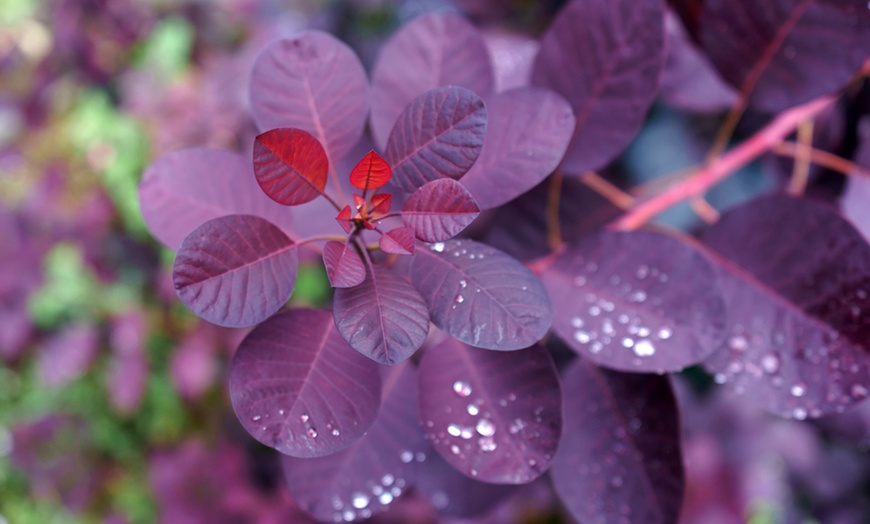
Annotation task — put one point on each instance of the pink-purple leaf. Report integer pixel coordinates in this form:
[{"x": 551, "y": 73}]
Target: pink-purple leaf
[
  {"x": 66, "y": 355},
  {"x": 529, "y": 130},
  {"x": 344, "y": 267},
  {"x": 786, "y": 52},
  {"x": 184, "y": 189},
  {"x": 235, "y": 271},
  {"x": 366, "y": 478},
  {"x": 796, "y": 277},
  {"x": 604, "y": 57},
  {"x": 619, "y": 460},
  {"x": 313, "y": 82},
  {"x": 494, "y": 416},
  {"x": 637, "y": 301},
  {"x": 384, "y": 318},
  {"x": 290, "y": 165},
  {"x": 434, "y": 50},
  {"x": 439, "y": 210},
  {"x": 438, "y": 135},
  {"x": 398, "y": 241},
  {"x": 482, "y": 296},
  {"x": 297, "y": 386}
]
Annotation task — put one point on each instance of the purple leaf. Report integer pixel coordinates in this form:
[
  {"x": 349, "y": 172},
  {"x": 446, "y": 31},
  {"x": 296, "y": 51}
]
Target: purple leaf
[
  {"x": 796, "y": 278},
  {"x": 384, "y": 318},
  {"x": 184, "y": 189},
  {"x": 193, "y": 365},
  {"x": 313, "y": 82},
  {"x": 367, "y": 477},
  {"x": 637, "y": 301},
  {"x": 786, "y": 52},
  {"x": 529, "y": 130},
  {"x": 67, "y": 354},
  {"x": 298, "y": 387},
  {"x": 513, "y": 54},
  {"x": 439, "y": 210},
  {"x": 434, "y": 50},
  {"x": 235, "y": 271},
  {"x": 126, "y": 380},
  {"x": 482, "y": 296},
  {"x": 343, "y": 265},
  {"x": 290, "y": 166},
  {"x": 619, "y": 460},
  {"x": 439, "y": 134},
  {"x": 604, "y": 57},
  {"x": 857, "y": 193},
  {"x": 398, "y": 241},
  {"x": 494, "y": 416}
]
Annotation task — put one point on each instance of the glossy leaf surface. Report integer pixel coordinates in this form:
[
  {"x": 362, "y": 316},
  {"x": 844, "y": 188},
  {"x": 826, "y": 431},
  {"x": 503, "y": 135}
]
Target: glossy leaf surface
[
  {"x": 236, "y": 270},
  {"x": 313, "y": 82},
  {"x": 786, "y": 51},
  {"x": 439, "y": 210},
  {"x": 619, "y": 460},
  {"x": 494, "y": 416},
  {"x": 637, "y": 301},
  {"x": 184, "y": 189},
  {"x": 529, "y": 130},
  {"x": 604, "y": 57},
  {"x": 384, "y": 318},
  {"x": 290, "y": 165},
  {"x": 344, "y": 267},
  {"x": 438, "y": 135},
  {"x": 482, "y": 296},
  {"x": 297, "y": 386},
  {"x": 797, "y": 280},
  {"x": 433, "y": 50},
  {"x": 398, "y": 241},
  {"x": 371, "y": 172}
]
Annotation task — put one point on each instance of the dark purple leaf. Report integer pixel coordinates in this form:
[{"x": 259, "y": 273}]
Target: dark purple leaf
[
  {"x": 398, "y": 241},
  {"x": 495, "y": 416},
  {"x": 313, "y": 82},
  {"x": 367, "y": 477},
  {"x": 384, "y": 318},
  {"x": 184, "y": 189},
  {"x": 786, "y": 52},
  {"x": 604, "y": 57},
  {"x": 438, "y": 135},
  {"x": 528, "y": 132},
  {"x": 439, "y": 210},
  {"x": 298, "y": 387},
  {"x": 619, "y": 460},
  {"x": 796, "y": 278},
  {"x": 434, "y": 50},
  {"x": 857, "y": 193},
  {"x": 290, "y": 165},
  {"x": 637, "y": 301},
  {"x": 236, "y": 270},
  {"x": 68, "y": 354},
  {"x": 481, "y": 296},
  {"x": 344, "y": 267}
]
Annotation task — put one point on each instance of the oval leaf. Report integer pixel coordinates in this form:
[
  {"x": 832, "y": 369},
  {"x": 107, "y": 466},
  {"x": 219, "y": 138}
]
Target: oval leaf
[
  {"x": 384, "y": 318},
  {"x": 439, "y": 210},
  {"x": 494, "y": 416},
  {"x": 637, "y": 301},
  {"x": 398, "y": 241},
  {"x": 297, "y": 386},
  {"x": 439, "y": 135},
  {"x": 433, "y": 50},
  {"x": 481, "y": 296},
  {"x": 235, "y": 271},
  {"x": 290, "y": 166},
  {"x": 619, "y": 460},
  {"x": 371, "y": 172},
  {"x": 343, "y": 265},
  {"x": 313, "y": 82},
  {"x": 604, "y": 57},
  {"x": 796, "y": 276},
  {"x": 528, "y": 132},
  {"x": 184, "y": 189}
]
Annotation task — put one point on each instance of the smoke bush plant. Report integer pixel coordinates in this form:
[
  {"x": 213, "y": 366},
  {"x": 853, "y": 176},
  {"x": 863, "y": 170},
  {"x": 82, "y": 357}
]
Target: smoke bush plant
[{"x": 771, "y": 299}]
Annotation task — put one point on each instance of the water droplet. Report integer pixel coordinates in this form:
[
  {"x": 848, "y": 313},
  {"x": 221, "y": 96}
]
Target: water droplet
[
  {"x": 616, "y": 481},
  {"x": 485, "y": 427},
  {"x": 638, "y": 296},
  {"x": 487, "y": 444},
  {"x": 627, "y": 342},
  {"x": 770, "y": 363},
  {"x": 798, "y": 390},
  {"x": 460, "y": 299},
  {"x": 406, "y": 456},
  {"x": 857, "y": 390},
  {"x": 467, "y": 432},
  {"x": 463, "y": 283},
  {"x": 439, "y": 500},
  {"x": 385, "y": 498},
  {"x": 665, "y": 333},
  {"x": 642, "y": 272},
  {"x": 257, "y": 418},
  {"x": 644, "y": 348},
  {"x": 579, "y": 281},
  {"x": 461, "y": 388},
  {"x": 420, "y": 456},
  {"x": 348, "y": 515},
  {"x": 454, "y": 449},
  {"x": 454, "y": 430},
  {"x": 387, "y": 479},
  {"x": 720, "y": 378},
  {"x": 336, "y": 432},
  {"x": 577, "y": 322},
  {"x": 738, "y": 343},
  {"x": 360, "y": 500},
  {"x": 472, "y": 409},
  {"x": 312, "y": 433},
  {"x": 596, "y": 347},
  {"x": 303, "y": 417},
  {"x": 582, "y": 337},
  {"x": 594, "y": 311},
  {"x": 799, "y": 413},
  {"x": 643, "y": 331},
  {"x": 438, "y": 247},
  {"x": 517, "y": 426}
]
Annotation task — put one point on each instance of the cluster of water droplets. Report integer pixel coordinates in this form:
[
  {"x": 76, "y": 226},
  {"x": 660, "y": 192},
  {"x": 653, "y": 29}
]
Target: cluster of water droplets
[
  {"x": 309, "y": 428},
  {"x": 379, "y": 494}
]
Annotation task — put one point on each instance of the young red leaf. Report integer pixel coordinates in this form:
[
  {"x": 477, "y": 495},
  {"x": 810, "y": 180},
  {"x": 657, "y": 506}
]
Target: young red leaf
[
  {"x": 381, "y": 204},
  {"x": 371, "y": 172},
  {"x": 290, "y": 165},
  {"x": 343, "y": 265},
  {"x": 439, "y": 210},
  {"x": 235, "y": 271},
  {"x": 398, "y": 241},
  {"x": 344, "y": 219}
]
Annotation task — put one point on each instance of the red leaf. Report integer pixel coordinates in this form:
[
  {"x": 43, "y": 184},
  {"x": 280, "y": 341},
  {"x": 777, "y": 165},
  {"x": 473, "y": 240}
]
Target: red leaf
[
  {"x": 381, "y": 204},
  {"x": 290, "y": 165},
  {"x": 371, "y": 172},
  {"x": 343, "y": 264},
  {"x": 399, "y": 241},
  {"x": 344, "y": 219}
]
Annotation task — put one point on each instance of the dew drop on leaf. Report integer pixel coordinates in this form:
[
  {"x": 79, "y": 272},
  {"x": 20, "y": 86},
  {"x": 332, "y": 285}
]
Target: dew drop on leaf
[
  {"x": 461, "y": 388},
  {"x": 644, "y": 348}
]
